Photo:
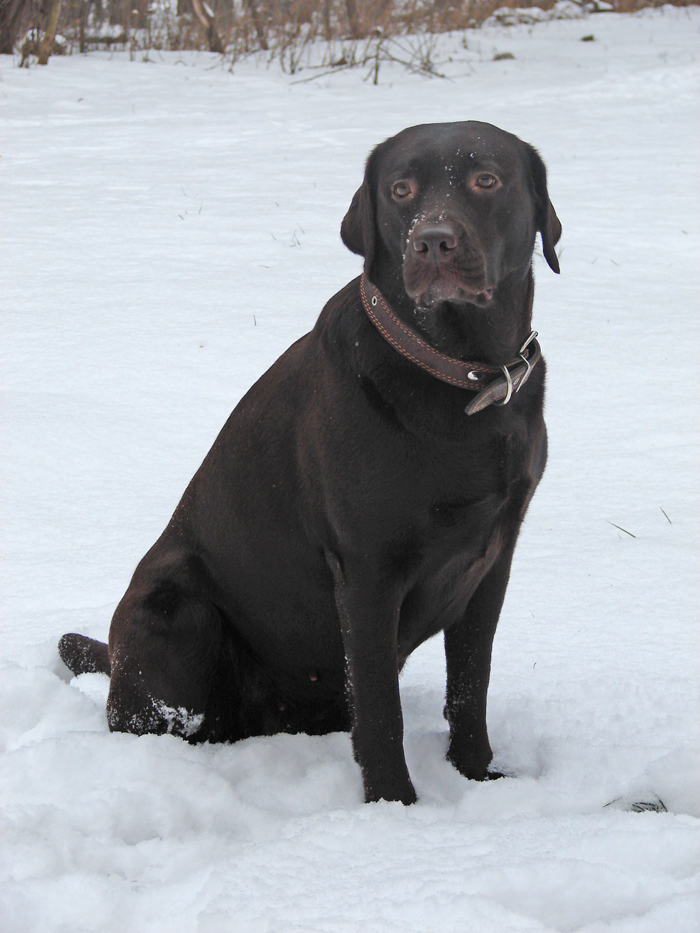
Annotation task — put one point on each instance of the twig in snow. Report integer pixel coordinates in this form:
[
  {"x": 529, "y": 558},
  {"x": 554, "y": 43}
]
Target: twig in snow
[{"x": 622, "y": 529}]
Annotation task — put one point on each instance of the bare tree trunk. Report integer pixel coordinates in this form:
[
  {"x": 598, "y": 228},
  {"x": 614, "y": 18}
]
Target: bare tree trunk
[
  {"x": 257, "y": 23},
  {"x": 82, "y": 23},
  {"x": 206, "y": 18},
  {"x": 383, "y": 6},
  {"x": 378, "y": 13},
  {"x": 47, "y": 39},
  {"x": 351, "y": 9},
  {"x": 126, "y": 25},
  {"x": 10, "y": 22},
  {"x": 327, "y": 20}
]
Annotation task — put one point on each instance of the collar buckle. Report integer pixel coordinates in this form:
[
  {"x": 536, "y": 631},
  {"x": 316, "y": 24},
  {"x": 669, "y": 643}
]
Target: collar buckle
[
  {"x": 525, "y": 357},
  {"x": 516, "y": 386}
]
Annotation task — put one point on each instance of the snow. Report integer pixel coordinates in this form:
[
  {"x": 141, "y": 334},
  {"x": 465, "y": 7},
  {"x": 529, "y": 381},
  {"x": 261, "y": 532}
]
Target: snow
[{"x": 169, "y": 227}]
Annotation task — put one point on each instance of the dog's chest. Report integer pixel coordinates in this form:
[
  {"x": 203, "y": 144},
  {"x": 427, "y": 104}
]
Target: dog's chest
[
  {"x": 443, "y": 553},
  {"x": 475, "y": 476},
  {"x": 449, "y": 509}
]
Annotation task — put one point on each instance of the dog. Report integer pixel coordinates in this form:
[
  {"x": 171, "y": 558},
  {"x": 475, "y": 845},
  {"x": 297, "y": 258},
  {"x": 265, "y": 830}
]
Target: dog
[{"x": 367, "y": 492}]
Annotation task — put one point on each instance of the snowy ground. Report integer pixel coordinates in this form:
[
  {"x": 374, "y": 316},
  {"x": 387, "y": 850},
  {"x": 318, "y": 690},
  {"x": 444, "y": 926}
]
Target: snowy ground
[{"x": 168, "y": 229}]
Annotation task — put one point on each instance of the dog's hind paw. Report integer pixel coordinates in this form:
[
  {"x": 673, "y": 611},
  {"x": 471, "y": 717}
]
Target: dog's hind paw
[{"x": 84, "y": 655}]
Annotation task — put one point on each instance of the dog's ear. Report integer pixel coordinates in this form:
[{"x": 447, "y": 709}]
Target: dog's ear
[
  {"x": 547, "y": 221},
  {"x": 357, "y": 228}
]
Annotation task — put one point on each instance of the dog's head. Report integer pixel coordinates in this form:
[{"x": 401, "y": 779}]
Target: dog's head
[{"x": 455, "y": 207}]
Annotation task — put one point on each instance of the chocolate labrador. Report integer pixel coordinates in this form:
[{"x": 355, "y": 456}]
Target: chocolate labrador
[{"x": 367, "y": 492}]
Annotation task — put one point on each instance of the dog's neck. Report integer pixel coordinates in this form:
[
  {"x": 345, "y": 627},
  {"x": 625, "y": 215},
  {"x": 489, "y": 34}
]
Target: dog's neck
[{"x": 491, "y": 334}]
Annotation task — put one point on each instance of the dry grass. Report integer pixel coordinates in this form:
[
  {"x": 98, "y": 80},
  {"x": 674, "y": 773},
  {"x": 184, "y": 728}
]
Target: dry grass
[{"x": 358, "y": 32}]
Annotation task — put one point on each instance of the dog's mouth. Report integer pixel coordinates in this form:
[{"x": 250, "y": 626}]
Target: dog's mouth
[
  {"x": 444, "y": 262},
  {"x": 449, "y": 289}
]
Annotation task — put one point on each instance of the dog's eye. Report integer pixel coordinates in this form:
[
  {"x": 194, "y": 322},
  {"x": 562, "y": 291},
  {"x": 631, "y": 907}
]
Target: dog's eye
[
  {"x": 486, "y": 180},
  {"x": 401, "y": 189}
]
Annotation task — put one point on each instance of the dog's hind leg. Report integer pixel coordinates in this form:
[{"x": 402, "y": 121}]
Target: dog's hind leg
[
  {"x": 84, "y": 655},
  {"x": 164, "y": 646}
]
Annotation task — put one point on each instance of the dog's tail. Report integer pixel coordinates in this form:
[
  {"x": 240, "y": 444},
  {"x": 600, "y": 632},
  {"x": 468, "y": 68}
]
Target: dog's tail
[{"x": 84, "y": 655}]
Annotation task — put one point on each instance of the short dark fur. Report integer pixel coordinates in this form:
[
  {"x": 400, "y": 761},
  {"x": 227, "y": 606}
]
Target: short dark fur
[{"x": 349, "y": 510}]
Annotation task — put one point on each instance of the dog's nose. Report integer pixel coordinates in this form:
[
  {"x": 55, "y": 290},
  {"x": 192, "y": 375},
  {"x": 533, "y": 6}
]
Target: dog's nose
[{"x": 434, "y": 241}]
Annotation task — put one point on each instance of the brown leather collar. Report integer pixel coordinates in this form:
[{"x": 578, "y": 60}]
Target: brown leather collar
[{"x": 493, "y": 383}]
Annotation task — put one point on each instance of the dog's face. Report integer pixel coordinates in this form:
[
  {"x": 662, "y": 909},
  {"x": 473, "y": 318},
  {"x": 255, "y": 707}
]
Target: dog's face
[{"x": 455, "y": 207}]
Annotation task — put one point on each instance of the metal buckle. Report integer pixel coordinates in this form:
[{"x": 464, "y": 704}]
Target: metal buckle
[
  {"x": 523, "y": 379},
  {"x": 509, "y": 392},
  {"x": 526, "y": 361}
]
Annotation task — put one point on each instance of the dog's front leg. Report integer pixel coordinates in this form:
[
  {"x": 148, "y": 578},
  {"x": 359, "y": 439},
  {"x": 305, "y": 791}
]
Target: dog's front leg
[
  {"x": 468, "y": 646},
  {"x": 369, "y": 616}
]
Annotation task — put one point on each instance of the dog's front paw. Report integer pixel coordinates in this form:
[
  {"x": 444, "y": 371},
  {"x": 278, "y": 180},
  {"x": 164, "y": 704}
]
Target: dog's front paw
[
  {"x": 399, "y": 789},
  {"x": 406, "y": 796},
  {"x": 474, "y": 767}
]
